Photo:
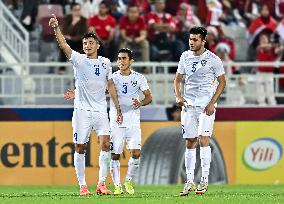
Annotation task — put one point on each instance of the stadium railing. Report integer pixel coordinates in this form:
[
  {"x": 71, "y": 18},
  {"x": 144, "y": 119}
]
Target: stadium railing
[
  {"x": 42, "y": 89},
  {"x": 14, "y": 39}
]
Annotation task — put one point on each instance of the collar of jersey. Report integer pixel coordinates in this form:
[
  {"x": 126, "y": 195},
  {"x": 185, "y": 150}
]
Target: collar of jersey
[{"x": 197, "y": 56}]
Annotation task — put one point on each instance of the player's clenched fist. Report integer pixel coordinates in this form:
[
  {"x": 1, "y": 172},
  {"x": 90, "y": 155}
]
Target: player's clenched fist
[{"x": 53, "y": 21}]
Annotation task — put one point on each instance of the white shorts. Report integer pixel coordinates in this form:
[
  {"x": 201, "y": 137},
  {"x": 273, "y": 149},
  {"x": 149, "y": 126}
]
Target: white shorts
[
  {"x": 83, "y": 122},
  {"x": 195, "y": 123},
  {"x": 132, "y": 136}
]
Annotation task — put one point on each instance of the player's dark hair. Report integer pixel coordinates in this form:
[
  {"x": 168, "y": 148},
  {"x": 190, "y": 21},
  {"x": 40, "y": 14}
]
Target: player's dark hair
[
  {"x": 128, "y": 51},
  {"x": 91, "y": 35},
  {"x": 199, "y": 30},
  {"x": 73, "y": 4}
]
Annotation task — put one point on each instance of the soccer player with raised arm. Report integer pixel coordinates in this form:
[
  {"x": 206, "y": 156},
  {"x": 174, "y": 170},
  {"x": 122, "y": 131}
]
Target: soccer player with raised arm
[
  {"x": 128, "y": 84},
  {"x": 204, "y": 83},
  {"x": 92, "y": 75}
]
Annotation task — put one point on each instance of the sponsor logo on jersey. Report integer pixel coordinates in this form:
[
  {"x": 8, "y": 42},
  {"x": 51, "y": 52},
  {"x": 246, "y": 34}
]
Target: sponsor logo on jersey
[{"x": 262, "y": 154}]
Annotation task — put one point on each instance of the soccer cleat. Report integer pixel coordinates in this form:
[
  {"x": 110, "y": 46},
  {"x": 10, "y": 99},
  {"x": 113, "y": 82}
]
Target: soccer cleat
[
  {"x": 128, "y": 187},
  {"x": 188, "y": 187},
  {"x": 201, "y": 188},
  {"x": 102, "y": 189},
  {"x": 118, "y": 190},
  {"x": 84, "y": 191}
]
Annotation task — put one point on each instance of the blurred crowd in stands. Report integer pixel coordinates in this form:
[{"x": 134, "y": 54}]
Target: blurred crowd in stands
[{"x": 157, "y": 30}]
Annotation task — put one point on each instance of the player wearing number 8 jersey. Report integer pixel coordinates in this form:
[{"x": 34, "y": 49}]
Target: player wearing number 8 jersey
[
  {"x": 203, "y": 85},
  {"x": 92, "y": 74},
  {"x": 128, "y": 84}
]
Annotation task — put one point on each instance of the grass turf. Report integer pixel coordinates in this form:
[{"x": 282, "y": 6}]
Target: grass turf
[{"x": 160, "y": 194}]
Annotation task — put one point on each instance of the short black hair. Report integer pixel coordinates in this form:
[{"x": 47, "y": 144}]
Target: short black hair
[
  {"x": 128, "y": 51},
  {"x": 91, "y": 35},
  {"x": 106, "y": 3},
  {"x": 199, "y": 30},
  {"x": 73, "y": 4}
]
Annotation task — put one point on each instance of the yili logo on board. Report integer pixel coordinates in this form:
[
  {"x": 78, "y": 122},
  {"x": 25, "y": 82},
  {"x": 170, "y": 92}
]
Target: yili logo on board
[{"x": 262, "y": 154}]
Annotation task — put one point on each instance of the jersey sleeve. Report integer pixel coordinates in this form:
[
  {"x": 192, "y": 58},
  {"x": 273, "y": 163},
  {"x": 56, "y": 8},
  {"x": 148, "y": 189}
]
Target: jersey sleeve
[
  {"x": 218, "y": 67},
  {"x": 180, "y": 69},
  {"x": 144, "y": 84},
  {"x": 75, "y": 59}
]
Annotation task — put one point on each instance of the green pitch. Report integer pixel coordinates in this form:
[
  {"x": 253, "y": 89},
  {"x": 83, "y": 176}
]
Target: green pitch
[{"x": 146, "y": 194}]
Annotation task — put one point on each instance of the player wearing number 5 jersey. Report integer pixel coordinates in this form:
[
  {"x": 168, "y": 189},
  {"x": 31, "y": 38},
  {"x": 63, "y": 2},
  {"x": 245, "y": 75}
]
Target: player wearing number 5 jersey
[
  {"x": 128, "y": 84},
  {"x": 203, "y": 85},
  {"x": 92, "y": 74}
]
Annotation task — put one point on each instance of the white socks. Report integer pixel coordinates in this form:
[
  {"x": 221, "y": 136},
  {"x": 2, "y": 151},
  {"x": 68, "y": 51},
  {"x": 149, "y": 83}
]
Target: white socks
[
  {"x": 205, "y": 156},
  {"x": 103, "y": 163},
  {"x": 79, "y": 163},
  {"x": 133, "y": 165},
  {"x": 115, "y": 172},
  {"x": 190, "y": 160}
]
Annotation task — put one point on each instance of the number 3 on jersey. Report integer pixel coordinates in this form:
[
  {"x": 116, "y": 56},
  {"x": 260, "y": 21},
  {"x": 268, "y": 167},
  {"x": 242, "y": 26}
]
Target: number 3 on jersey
[{"x": 124, "y": 87}]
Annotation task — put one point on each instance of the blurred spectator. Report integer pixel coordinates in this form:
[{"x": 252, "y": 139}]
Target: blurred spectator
[
  {"x": 264, "y": 23},
  {"x": 143, "y": 5},
  {"x": 229, "y": 41},
  {"x": 104, "y": 24},
  {"x": 266, "y": 52},
  {"x": 202, "y": 11},
  {"x": 279, "y": 8},
  {"x": 172, "y": 7},
  {"x": 214, "y": 13},
  {"x": 29, "y": 13},
  {"x": 114, "y": 10},
  {"x": 212, "y": 38},
  {"x": 185, "y": 19},
  {"x": 73, "y": 28},
  {"x": 245, "y": 10},
  {"x": 133, "y": 30},
  {"x": 87, "y": 8},
  {"x": 234, "y": 94},
  {"x": 162, "y": 29}
]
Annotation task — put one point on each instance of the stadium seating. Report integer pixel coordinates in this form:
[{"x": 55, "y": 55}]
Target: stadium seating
[{"x": 44, "y": 13}]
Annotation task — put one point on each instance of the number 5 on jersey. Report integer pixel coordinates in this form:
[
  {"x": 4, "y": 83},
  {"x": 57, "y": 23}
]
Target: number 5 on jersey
[{"x": 193, "y": 68}]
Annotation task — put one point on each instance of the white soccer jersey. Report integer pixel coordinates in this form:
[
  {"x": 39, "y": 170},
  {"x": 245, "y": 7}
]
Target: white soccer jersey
[
  {"x": 91, "y": 77},
  {"x": 127, "y": 87},
  {"x": 200, "y": 76}
]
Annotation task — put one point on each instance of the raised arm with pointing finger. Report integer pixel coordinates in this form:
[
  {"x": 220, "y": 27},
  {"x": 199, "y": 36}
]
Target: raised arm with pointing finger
[{"x": 53, "y": 22}]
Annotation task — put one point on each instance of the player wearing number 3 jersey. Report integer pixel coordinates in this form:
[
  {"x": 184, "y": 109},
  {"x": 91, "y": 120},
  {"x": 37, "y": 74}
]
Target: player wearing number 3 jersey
[{"x": 128, "y": 84}]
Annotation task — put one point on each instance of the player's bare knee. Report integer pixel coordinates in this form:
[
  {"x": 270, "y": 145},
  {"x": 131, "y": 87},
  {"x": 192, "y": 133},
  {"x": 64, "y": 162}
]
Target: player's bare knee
[
  {"x": 136, "y": 153},
  {"x": 204, "y": 141},
  {"x": 80, "y": 148},
  {"x": 191, "y": 143},
  {"x": 115, "y": 156}
]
